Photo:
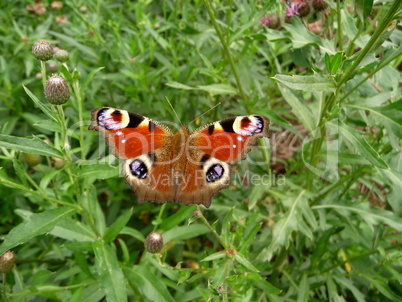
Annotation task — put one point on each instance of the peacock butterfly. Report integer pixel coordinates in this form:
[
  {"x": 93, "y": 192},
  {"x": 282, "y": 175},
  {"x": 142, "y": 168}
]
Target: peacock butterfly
[{"x": 163, "y": 166}]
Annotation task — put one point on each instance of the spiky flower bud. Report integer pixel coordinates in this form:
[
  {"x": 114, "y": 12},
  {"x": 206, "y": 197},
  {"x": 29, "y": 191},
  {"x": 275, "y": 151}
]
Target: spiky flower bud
[
  {"x": 32, "y": 159},
  {"x": 7, "y": 261},
  {"x": 319, "y": 5},
  {"x": 270, "y": 21},
  {"x": 303, "y": 8},
  {"x": 42, "y": 50},
  {"x": 57, "y": 91},
  {"x": 61, "y": 55},
  {"x": 154, "y": 242}
]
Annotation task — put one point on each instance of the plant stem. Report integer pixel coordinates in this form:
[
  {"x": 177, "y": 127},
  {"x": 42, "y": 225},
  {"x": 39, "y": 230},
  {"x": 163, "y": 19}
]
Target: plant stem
[
  {"x": 43, "y": 72},
  {"x": 331, "y": 99},
  {"x": 225, "y": 49},
  {"x": 339, "y": 21},
  {"x": 389, "y": 16},
  {"x": 210, "y": 227}
]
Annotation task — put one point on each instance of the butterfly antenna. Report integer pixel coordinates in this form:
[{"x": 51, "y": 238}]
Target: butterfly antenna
[
  {"x": 205, "y": 112},
  {"x": 174, "y": 111}
]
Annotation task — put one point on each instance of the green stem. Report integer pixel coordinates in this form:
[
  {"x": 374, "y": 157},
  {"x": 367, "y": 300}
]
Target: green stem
[
  {"x": 225, "y": 49},
  {"x": 382, "y": 64},
  {"x": 210, "y": 227},
  {"x": 159, "y": 218},
  {"x": 4, "y": 287},
  {"x": 330, "y": 101},
  {"x": 43, "y": 72},
  {"x": 382, "y": 27},
  {"x": 339, "y": 21},
  {"x": 78, "y": 97}
]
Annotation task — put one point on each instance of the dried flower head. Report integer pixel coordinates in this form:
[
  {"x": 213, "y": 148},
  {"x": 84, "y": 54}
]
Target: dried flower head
[
  {"x": 57, "y": 91},
  {"x": 56, "y": 5},
  {"x": 53, "y": 67},
  {"x": 154, "y": 242},
  {"x": 7, "y": 261},
  {"x": 42, "y": 50},
  {"x": 61, "y": 19},
  {"x": 61, "y": 55},
  {"x": 37, "y": 8}
]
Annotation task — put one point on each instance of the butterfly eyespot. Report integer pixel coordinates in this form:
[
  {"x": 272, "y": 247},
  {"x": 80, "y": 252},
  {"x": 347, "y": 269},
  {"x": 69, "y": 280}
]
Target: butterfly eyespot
[
  {"x": 214, "y": 173},
  {"x": 139, "y": 169}
]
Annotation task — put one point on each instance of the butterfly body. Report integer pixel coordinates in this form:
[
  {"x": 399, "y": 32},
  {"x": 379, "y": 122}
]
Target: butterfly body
[{"x": 165, "y": 166}]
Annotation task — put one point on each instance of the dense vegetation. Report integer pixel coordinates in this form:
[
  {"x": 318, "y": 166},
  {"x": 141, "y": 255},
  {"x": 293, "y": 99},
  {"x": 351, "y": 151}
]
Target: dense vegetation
[{"x": 314, "y": 214}]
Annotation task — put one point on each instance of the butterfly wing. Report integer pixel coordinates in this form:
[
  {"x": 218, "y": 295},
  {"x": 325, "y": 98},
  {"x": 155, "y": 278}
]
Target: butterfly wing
[
  {"x": 129, "y": 134},
  {"x": 142, "y": 143},
  {"x": 231, "y": 139},
  {"x": 210, "y": 151}
]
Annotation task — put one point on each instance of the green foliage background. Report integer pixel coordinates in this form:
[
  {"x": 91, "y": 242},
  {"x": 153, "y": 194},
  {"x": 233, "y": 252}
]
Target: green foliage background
[{"x": 326, "y": 227}]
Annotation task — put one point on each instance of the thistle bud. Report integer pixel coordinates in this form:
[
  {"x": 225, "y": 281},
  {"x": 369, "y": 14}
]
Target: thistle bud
[
  {"x": 303, "y": 8},
  {"x": 270, "y": 21},
  {"x": 32, "y": 160},
  {"x": 56, "y": 90},
  {"x": 154, "y": 242},
  {"x": 319, "y": 5},
  {"x": 42, "y": 50},
  {"x": 7, "y": 261},
  {"x": 61, "y": 55}
]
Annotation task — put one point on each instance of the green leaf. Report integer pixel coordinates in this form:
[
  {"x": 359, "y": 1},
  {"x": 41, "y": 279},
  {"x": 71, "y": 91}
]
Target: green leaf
[
  {"x": 256, "y": 193},
  {"x": 301, "y": 36},
  {"x": 371, "y": 215},
  {"x": 303, "y": 290},
  {"x": 299, "y": 108},
  {"x": 177, "y": 218},
  {"x": 72, "y": 42},
  {"x": 110, "y": 274},
  {"x": 361, "y": 145},
  {"x": 363, "y": 8},
  {"x": 29, "y": 145},
  {"x": 242, "y": 260},
  {"x": 20, "y": 171},
  {"x": 35, "y": 225},
  {"x": 179, "y": 86},
  {"x": 390, "y": 116},
  {"x": 98, "y": 171},
  {"x": 218, "y": 89},
  {"x": 263, "y": 284},
  {"x": 116, "y": 227},
  {"x": 45, "y": 125},
  {"x": 134, "y": 233},
  {"x": 283, "y": 228},
  {"x": 89, "y": 78},
  {"x": 213, "y": 88},
  {"x": 336, "y": 62},
  {"x": 149, "y": 284},
  {"x": 226, "y": 234},
  {"x": 215, "y": 256},
  {"x": 73, "y": 231},
  {"x": 360, "y": 297},
  {"x": 44, "y": 107},
  {"x": 185, "y": 232},
  {"x": 313, "y": 83},
  {"x": 247, "y": 240}
]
